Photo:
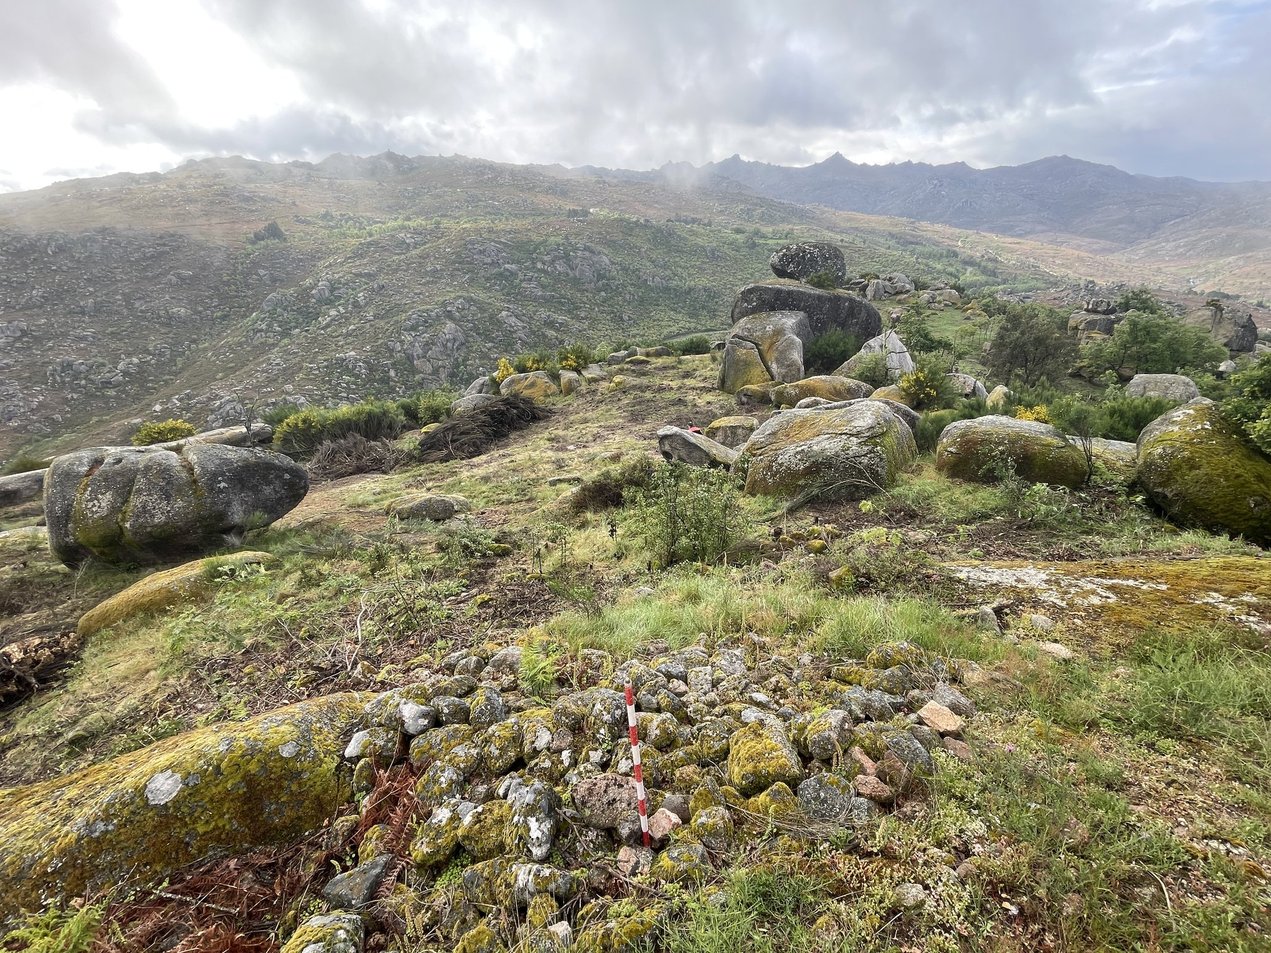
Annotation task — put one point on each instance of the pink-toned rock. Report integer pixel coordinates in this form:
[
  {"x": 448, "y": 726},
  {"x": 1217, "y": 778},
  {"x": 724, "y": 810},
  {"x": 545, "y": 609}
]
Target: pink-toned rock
[
  {"x": 959, "y": 749},
  {"x": 862, "y": 760},
  {"x": 661, "y": 823},
  {"x": 634, "y": 861},
  {"x": 870, "y": 787},
  {"x": 938, "y": 718},
  {"x": 892, "y": 771}
]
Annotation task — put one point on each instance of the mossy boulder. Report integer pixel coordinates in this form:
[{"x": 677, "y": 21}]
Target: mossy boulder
[
  {"x": 168, "y": 588},
  {"x": 829, "y": 387},
  {"x": 825, "y": 310},
  {"x": 761, "y": 755},
  {"x": 142, "y": 816},
  {"x": 535, "y": 385},
  {"x": 732, "y": 431},
  {"x": 892, "y": 392},
  {"x": 741, "y": 368},
  {"x": 148, "y": 504},
  {"x": 1201, "y": 473},
  {"x": 1118, "y": 458},
  {"x": 846, "y": 452},
  {"x": 1173, "y": 387},
  {"x": 985, "y": 448}
]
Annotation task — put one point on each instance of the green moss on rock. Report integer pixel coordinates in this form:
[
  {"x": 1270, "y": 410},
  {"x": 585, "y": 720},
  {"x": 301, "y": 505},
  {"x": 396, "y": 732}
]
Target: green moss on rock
[
  {"x": 986, "y": 448},
  {"x": 1194, "y": 466},
  {"x": 142, "y": 816},
  {"x": 760, "y": 756}
]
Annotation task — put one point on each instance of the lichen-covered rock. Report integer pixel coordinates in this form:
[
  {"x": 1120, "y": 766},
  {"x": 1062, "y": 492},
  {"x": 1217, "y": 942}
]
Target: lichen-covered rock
[
  {"x": 964, "y": 385},
  {"x": 890, "y": 346},
  {"x": 998, "y": 397},
  {"x": 1118, "y": 458},
  {"x": 826, "y": 797},
  {"x": 437, "y": 507},
  {"x": 144, "y": 504},
  {"x": 694, "y": 449},
  {"x": 761, "y": 755},
  {"x": 802, "y": 260},
  {"x": 570, "y": 382},
  {"x": 605, "y": 801},
  {"x": 356, "y": 888},
  {"x": 142, "y": 816},
  {"x": 826, "y": 310},
  {"x": 471, "y": 402},
  {"x": 680, "y": 863},
  {"x": 732, "y": 432},
  {"x": 774, "y": 339},
  {"x": 536, "y": 385},
  {"x": 19, "y": 488},
  {"x": 164, "y": 589},
  {"x": 331, "y": 933},
  {"x": 713, "y": 827},
  {"x": 1201, "y": 473},
  {"x": 535, "y": 817},
  {"x": 486, "y": 833},
  {"x": 847, "y": 452},
  {"x": 982, "y": 449},
  {"x": 824, "y": 736},
  {"x": 438, "y": 836},
  {"x": 829, "y": 387},
  {"x": 1173, "y": 387}
]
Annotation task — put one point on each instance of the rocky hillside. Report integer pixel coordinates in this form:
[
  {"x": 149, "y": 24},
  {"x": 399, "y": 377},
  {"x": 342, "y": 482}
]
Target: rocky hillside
[
  {"x": 135, "y": 296},
  {"x": 1217, "y": 235}
]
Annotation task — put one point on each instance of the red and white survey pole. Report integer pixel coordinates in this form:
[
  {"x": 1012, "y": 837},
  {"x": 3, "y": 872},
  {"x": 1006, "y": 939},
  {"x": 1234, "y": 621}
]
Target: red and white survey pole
[{"x": 642, "y": 798}]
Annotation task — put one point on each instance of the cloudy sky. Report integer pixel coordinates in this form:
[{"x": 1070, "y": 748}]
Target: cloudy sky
[{"x": 1165, "y": 87}]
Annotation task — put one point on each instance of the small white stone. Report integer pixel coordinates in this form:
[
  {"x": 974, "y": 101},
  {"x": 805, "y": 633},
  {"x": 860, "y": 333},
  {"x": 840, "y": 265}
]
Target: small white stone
[
  {"x": 163, "y": 787},
  {"x": 1055, "y": 650},
  {"x": 290, "y": 749}
]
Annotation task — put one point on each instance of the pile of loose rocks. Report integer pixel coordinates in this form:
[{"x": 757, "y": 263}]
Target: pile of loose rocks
[{"x": 522, "y": 812}]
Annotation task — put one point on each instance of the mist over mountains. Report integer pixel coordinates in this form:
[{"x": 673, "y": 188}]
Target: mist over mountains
[{"x": 132, "y": 295}]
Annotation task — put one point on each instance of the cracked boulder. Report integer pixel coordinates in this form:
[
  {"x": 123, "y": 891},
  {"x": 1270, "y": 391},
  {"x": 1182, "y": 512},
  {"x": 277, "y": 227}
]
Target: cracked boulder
[
  {"x": 764, "y": 348},
  {"x": 147, "y": 504}
]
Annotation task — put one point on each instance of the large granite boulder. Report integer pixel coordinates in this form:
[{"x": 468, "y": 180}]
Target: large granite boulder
[
  {"x": 694, "y": 449},
  {"x": 19, "y": 488},
  {"x": 983, "y": 448},
  {"x": 845, "y": 452},
  {"x": 888, "y": 344},
  {"x": 825, "y": 310},
  {"x": 762, "y": 348},
  {"x": 829, "y": 387},
  {"x": 802, "y": 260},
  {"x": 535, "y": 385},
  {"x": 149, "y": 504},
  {"x": 143, "y": 816},
  {"x": 1173, "y": 387},
  {"x": 1233, "y": 329},
  {"x": 1198, "y": 470}
]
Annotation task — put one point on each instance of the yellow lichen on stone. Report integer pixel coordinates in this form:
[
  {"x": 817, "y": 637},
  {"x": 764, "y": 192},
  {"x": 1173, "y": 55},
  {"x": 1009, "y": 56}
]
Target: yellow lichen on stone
[
  {"x": 140, "y": 817},
  {"x": 161, "y": 590},
  {"x": 760, "y": 755}
]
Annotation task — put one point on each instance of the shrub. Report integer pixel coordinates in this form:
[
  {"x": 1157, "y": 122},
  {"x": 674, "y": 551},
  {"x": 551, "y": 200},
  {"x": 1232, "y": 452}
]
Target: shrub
[
  {"x": 1039, "y": 413},
  {"x": 608, "y": 488},
  {"x": 689, "y": 514},
  {"x": 304, "y": 432},
  {"x": 872, "y": 370},
  {"x": 1152, "y": 344},
  {"x": 505, "y": 370},
  {"x": 425, "y": 406},
  {"x": 538, "y": 361},
  {"x": 161, "y": 431},
  {"x": 1249, "y": 407},
  {"x": 1031, "y": 344},
  {"x": 574, "y": 357},
  {"x": 1125, "y": 417},
  {"x": 280, "y": 412},
  {"x": 825, "y": 280},
  {"x": 353, "y": 454},
  {"x": 697, "y": 344},
  {"x": 928, "y": 384},
  {"x": 828, "y": 352},
  {"x": 1139, "y": 299}
]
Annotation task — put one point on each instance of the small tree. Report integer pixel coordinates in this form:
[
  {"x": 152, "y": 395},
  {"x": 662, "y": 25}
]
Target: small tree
[{"x": 1031, "y": 345}]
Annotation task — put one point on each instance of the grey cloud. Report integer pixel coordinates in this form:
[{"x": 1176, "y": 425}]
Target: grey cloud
[{"x": 990, "y": 81}]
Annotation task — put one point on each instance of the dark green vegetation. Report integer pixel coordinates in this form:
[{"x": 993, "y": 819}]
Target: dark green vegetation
[{"x": 161, "y": 431}]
